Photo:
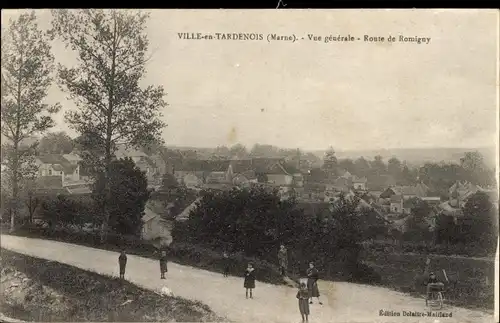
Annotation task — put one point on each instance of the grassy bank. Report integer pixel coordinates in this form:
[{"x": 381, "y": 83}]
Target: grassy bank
[
  {"x": 472, "y": 280},
  {"x": 41, "y": 290}
]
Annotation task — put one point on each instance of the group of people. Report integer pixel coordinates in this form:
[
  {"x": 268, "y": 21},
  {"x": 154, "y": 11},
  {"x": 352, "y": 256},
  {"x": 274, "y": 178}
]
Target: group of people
[
  {"x": 307, "y": 290},
  {"x": 308, "y": 285}
]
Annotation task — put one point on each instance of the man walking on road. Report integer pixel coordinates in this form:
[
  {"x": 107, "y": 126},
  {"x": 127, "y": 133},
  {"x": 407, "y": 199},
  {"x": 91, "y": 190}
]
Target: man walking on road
[
  {"x": 163, "y": 264},
  {"x": 122, "y": 262}
]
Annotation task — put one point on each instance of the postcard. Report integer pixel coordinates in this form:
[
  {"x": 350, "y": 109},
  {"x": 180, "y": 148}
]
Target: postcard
[{"x": 249, "y": 165}]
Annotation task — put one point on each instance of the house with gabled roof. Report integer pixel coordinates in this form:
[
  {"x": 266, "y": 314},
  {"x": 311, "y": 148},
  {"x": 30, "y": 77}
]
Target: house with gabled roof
[
  {"x": 155, "y": 227},
  {"x": 345, "y": 174},
  {"x": 57, "y": 165},
  {"x": 216, "y": 171},
  {"x": 73, "y": 157},
  {"x": 420, "y": 190},
  {"x": 460, "y": 192},
  {"x": 359, "y": 183},
  {"x": 274, "y": 169},
  {"x": 400, "y": 205},
  {"x": 195, "y": 172},
  {"x": 142, "y": 161},
  {"x": 379, "y": 183}
]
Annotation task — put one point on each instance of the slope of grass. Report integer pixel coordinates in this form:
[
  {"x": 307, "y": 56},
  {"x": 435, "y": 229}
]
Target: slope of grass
[
  {"x": 41, "y": 290},
  {"x": 471, "y": 280}
]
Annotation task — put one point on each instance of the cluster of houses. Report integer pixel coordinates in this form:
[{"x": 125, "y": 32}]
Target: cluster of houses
[
  {"x": 64, "y": 172},
  {"x": 392, "y": 202},
  {"x": 225, "y": 174}
]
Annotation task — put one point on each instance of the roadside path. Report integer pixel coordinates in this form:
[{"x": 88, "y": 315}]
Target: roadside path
[{"x": 343, "y": 302}]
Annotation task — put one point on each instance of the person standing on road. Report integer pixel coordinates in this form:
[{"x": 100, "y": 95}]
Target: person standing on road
[
  {"x": 225, "y": 260},
  {"x": 122, "y": 262},
  {"x": 303, "y": 297},
  {"x": 312, "y": 283},
  {"x": 283, "y": 260},
  {"x": 163, "y": 264},
  {"x": 249, "y": 282}
]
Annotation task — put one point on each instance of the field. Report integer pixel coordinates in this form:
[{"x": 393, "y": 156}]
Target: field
[
  {"x": 40, "y": 290},
  {"x": 471, "y": 280}
]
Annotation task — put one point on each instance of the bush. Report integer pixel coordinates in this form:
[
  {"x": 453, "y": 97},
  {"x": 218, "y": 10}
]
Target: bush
[
  {"x": 129, "y": 193},
  {"x": 205, "y": 258},
  {"x": 366, "y": 275},
  {"x": 255, "y": 222},
  {"x": 63, "y": 211}
]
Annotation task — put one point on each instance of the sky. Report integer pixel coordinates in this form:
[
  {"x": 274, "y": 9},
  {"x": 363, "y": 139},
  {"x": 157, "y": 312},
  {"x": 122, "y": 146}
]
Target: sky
[{"x": 312, "y": 95}]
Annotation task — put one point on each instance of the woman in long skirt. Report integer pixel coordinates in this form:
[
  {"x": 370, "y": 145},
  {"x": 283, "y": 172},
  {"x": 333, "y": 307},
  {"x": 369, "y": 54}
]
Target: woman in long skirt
[
  {"x": 303, "y": 297},
  {"x": 312, "y": 283},
  {"x": 283, "y": 260}
]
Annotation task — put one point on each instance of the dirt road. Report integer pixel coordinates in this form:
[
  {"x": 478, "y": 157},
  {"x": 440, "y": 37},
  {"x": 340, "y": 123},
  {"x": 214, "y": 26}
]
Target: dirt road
[{"x": 342, "y": 302}]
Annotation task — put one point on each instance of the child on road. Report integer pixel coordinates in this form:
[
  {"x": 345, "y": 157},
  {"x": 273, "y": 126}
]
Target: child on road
[
  {"x": 225, "y": 259},
  {"x": 122, "y": 262},
  {"x": 249, "y": 282},
  {"x": 163, "y": 264},
  {"x": 303, "y": 297}
]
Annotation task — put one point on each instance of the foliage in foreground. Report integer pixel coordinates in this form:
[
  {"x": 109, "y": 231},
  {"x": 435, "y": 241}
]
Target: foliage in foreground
[
  {"x": 92, "y": 297},
  {"x": 127, "y": 197},
  {"x": 105, "y": 84},
  {"x": 255, "y": 222},
  {"x": 27, "y": 64}
]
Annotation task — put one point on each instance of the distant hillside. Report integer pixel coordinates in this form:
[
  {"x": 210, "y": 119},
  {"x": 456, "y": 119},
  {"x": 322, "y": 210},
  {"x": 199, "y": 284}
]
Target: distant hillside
[
  {"x": 418, "y": 156},
  {"x": 413, "y": 156}
]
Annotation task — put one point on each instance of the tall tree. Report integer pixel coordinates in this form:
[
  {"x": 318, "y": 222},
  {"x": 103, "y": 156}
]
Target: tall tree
[
  {"x": 238, "y": 151},
  {"x": 378, "y": 166},
  {"x": 27, "y": 64},
  {"x": 394, "y": 167},
  {"x": 475, "y": 170},
  {"x": 348, "y": 165},
  {"x": 484, "y": 220},
  {"x": 221, "y": 152},
  {"x": 362, "y": 167},
  {"x": 472, "y": 160},
  {"x": 56, "y": 143},
  {"x": 408, "y": 177},
  {"x": 259, "y": 150},
  {"x": 330, "y": 162},
  {"x": 111, "y": 48}
]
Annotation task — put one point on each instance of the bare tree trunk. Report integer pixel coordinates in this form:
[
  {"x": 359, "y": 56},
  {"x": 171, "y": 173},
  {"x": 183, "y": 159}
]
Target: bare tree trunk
[
  {"x": 107, "y": 195},
  {"x": 15, "y": 187}
]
